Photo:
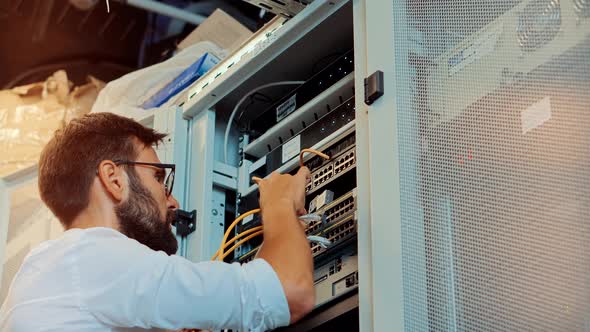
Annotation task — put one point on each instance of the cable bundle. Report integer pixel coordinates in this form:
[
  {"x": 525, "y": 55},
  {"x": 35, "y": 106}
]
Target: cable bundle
[{"x": 221, "y": 254}]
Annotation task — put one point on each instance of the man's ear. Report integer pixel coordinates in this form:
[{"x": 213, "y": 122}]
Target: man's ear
[{"x": 113, "y": 179}]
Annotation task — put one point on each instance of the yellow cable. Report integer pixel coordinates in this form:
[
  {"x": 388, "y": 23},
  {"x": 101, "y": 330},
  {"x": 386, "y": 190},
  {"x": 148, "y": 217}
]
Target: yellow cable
[
  {"x": 238, "y": 244},
  {"x": 221, "y": 249},
  {"x": 235, "y": 222},
  {"x": 240, "y": 218},
  {"x": 323, "y": 155}
]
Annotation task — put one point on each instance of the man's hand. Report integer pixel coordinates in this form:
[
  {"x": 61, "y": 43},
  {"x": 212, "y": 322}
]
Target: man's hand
[
  {"x": 285, "y": 247},
  {"x": 284, "y": 190}
]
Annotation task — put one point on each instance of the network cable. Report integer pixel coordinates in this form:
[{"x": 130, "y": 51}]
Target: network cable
[
  {"x": 221, "y": 254},
  {"x": 235, "y": 110}
]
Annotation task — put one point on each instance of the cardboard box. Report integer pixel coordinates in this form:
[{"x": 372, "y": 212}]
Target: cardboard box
[{"x": 221, "y": 29}]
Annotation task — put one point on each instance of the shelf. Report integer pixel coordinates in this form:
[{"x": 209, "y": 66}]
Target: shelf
[
  {"x": 288, "y": 53},
  {"x": 321, "y": 145},
  {"x": 333, "y": 96}
]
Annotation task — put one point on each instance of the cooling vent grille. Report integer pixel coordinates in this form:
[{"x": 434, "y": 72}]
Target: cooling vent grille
[
  {"x": 495, "y": 199},
  {"x": 538, "y": 24},
  {"x": 582, "y": 7}
]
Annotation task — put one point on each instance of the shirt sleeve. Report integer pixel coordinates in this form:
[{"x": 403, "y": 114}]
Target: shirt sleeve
[{"x": 126, "y": 284}]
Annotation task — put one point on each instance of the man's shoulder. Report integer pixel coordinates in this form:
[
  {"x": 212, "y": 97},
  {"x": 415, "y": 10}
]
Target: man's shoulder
[
  {"x": 107, "y": 241},
  {"x": 94, "y": 232},
  {"x": 89, "y": 247}
]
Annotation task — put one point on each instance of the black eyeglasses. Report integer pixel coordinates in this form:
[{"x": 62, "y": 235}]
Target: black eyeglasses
[{"x": 168, "y": 180}]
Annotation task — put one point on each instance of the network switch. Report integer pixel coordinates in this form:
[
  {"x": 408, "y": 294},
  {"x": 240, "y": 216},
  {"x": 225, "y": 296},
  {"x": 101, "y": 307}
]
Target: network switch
[
  {"x": 336, "y": 277},
  {"x": 339, "y": 234},
  {"x": 318, "y": 83},
  {"x": 333, "y": 277},
  {"x": 338, "y": 225},
  {"x": 334, "y": 168},
  {"x": 333, "y": 212},
  {"x": 308, "y": 137}
]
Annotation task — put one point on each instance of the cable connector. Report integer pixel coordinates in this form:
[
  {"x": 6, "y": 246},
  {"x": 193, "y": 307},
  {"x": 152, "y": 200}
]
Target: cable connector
[
  {"x": 308, "y": 218},
  {"x": 322, "y": 241}
]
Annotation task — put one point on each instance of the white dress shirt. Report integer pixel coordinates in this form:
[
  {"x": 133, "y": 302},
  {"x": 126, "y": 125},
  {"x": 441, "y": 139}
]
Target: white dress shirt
[{"x": 97, "y": 279}]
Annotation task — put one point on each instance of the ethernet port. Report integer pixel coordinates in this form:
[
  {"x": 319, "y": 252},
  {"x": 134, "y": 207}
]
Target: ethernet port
[{"x": 350, "y": 281}]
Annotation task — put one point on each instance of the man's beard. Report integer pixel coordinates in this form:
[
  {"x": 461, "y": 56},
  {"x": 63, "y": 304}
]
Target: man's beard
[{"x": 139, "y": 219}]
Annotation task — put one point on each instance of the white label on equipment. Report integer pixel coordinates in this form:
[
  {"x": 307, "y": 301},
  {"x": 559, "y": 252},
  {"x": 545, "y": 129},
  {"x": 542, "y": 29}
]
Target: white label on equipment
[
  {"x": 291, "y": 148},
  {"x": 320, "y": 200},
  {"x": 286, "y": 108},
  {"x": 248, "y": 219},
  {"x": 474, "y": 51},
  {"x": 537, "y": 114},
  {"x": 325, "y": 198},
  {"x": 259, "y": 163}
]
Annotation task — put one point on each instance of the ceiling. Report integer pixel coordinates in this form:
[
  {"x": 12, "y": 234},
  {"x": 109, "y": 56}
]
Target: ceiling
[{"x": 39, "y": 37}]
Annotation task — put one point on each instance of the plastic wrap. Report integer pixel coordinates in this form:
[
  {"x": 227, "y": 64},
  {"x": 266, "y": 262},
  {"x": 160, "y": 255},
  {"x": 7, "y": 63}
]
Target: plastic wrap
[
  {"x": 124, "y": 95},
  {"x": 29, "y": 115}
]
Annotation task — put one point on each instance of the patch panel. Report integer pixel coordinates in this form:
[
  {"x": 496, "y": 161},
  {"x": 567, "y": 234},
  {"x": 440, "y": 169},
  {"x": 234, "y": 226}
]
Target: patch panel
[
  {"x": 342, "y": 208},
  {"x": 344, "y": 162},
  {"x": 337, "y": 166},
  {"x": 333, "y": 150},
  {"x": 342, "y": 231},
  {"x": 323, "y": 175},
  {"x": 338, "y": 233},
  {"x": 333, "y": 212}
]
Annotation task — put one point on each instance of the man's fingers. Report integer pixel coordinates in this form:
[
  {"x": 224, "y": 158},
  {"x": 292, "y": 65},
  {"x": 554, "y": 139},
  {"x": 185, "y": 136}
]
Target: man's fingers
[
  {"x": 304, "y": 173},
  {"x": 301, "y": 212},
  {"x": 256, "y": 179}
]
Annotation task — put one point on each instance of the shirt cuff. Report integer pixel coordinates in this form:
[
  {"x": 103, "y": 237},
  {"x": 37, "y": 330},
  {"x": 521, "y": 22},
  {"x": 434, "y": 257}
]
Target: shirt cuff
[{"x": 271, "y": 296}]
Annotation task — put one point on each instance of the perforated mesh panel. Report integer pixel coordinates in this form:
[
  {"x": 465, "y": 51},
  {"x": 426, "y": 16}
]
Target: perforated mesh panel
[{"x": 493, "y": 106}]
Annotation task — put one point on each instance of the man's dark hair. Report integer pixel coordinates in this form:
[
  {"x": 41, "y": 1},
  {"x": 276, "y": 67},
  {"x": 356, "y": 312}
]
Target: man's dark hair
[{"x": 69, "y": 162}]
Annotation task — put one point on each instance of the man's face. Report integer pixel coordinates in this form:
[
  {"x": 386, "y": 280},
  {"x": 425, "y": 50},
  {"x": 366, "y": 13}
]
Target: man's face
[{"x": 147, "y": 213}]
